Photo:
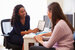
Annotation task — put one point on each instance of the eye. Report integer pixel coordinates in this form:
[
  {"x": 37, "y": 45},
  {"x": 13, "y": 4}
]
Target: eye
[{"x": 21, "y": 11}]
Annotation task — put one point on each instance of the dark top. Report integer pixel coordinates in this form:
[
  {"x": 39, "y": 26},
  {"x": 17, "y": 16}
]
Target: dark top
[{"x": 15, "y": 34}]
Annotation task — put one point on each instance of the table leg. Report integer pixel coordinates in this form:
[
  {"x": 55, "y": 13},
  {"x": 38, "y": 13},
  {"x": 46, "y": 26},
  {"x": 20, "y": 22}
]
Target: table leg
[{"x": 26, "y": 46}]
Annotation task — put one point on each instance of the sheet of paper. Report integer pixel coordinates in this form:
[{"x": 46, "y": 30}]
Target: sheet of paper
[
  {"x": 41, "y": 24},
  {"x": 30, "y": 35}
]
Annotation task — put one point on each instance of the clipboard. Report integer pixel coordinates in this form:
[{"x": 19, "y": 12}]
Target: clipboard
[{"x": 41, "y": 25}]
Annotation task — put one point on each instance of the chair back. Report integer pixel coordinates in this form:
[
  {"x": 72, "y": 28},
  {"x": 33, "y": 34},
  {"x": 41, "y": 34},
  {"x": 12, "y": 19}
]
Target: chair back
[{"x": 6, "y": 26}]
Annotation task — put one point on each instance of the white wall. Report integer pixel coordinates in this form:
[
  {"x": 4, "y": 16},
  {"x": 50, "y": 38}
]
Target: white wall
[
  {"x": 59, "y": 1},
  {"x": 35, "y": 8},
  {"x": 68, "y": 6}
]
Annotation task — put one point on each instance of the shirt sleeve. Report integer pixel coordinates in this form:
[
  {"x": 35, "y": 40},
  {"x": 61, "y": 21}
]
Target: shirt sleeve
[
  {"x": 56, "y": 36},
  {"x": 28, "y": 22}
]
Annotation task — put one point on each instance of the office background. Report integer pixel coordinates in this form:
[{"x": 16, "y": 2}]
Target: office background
[{"x": 35, "y": 8}]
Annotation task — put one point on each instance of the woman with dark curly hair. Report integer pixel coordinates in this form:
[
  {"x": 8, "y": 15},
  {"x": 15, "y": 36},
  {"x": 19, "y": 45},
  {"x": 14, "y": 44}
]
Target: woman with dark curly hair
[{"x": 21, "y": 25}]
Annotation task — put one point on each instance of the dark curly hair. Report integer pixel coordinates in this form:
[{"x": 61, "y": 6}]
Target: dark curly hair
[{"x": 15, "y": 17}]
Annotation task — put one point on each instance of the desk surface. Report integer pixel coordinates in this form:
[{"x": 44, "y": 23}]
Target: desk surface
[{"x": 30, "y": 39}]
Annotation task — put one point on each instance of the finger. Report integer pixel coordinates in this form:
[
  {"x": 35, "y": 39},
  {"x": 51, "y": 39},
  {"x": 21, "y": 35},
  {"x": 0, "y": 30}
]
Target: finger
[
  {"x": 35, "y": 36},
  {"x": 36, "y": 39}
]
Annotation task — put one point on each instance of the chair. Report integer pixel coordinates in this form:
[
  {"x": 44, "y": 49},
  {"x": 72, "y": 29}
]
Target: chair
[{"x": 6, "y": 28}]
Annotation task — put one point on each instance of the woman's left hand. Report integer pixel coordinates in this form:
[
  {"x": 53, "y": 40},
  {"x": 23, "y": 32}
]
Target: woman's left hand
[
  {"x": 35, "y": 30},
  {"x": 38, "y": 39}
]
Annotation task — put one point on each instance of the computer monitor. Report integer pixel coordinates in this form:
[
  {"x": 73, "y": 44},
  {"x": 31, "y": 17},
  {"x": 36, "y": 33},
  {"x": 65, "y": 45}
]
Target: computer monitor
[
  {"x": 47, "y": 21},
  {"x": 70, "y": 18},
  {"x": 74, "y": 20}
]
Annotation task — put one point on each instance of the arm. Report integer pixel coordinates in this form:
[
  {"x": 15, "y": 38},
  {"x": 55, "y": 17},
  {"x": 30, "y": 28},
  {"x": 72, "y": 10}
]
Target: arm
[
  {"x": 26, "y": 32},
  {"x": 27, "y": 21},
  {"x": 46, "y": 34},
  {"x": 30, "y": 31},
  {"x": 53, "y": 39},
  {"x": 35, "y": 30}
]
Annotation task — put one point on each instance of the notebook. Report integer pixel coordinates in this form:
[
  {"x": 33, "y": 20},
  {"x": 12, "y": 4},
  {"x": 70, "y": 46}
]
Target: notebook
[{"x": 41, "y": 25}]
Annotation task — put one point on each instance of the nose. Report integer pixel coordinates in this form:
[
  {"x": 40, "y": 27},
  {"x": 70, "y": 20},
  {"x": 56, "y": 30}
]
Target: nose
[{"x": 24, "y": 12}]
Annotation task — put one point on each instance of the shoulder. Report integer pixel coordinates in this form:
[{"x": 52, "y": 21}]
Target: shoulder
[
  {"x": 64, "y": 26},
  {"x": 27, "y": 16},
  {"x": 62, "y": 23},
  {"x": 60, "y": 27}
]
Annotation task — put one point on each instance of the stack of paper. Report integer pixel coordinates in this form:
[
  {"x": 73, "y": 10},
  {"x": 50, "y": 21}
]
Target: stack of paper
[{"x": 30, "y": 35}]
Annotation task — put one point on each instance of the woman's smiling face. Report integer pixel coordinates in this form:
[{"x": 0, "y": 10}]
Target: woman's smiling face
[{"x": 22, "y": 12}]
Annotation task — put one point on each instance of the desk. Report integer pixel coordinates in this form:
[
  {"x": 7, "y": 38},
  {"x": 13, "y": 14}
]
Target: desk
[{"x": 28, "y": 40}]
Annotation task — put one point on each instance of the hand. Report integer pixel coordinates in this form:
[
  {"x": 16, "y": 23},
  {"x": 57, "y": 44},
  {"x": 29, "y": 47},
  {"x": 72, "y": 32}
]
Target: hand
[
  {"x": 29, "y": 31},
  {"x": 38, "y": 38},
  {"x": 23, "y": 32},
  {"x": 26, "y": 32},
  {"x": 35, "y": 30}
]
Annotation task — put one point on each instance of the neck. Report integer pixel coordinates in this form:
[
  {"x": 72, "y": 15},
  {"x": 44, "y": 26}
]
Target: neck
[
  {"x": 57, "y": 21},
  {"x": 22, "y": 18}
]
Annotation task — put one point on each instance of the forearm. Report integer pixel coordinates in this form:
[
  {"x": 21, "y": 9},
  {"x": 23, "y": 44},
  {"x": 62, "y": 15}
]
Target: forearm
[
  {"x": 35, "y": 30},
  {"x": 46, "y": 34},
  {"x": 26, "y": 32},
  {"x": 30, "y": 31}
]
